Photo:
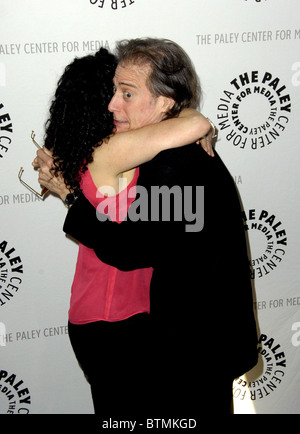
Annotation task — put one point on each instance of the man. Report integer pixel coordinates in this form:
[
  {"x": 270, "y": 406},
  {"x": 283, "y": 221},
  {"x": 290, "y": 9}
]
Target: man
[{"x": 204, "y": 332}]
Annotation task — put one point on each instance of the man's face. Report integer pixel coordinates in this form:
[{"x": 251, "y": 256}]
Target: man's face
[{"x": 132, "y": 105}]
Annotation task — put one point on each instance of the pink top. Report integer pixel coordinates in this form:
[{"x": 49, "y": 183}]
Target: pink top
[{"x": 100, "y": 291}]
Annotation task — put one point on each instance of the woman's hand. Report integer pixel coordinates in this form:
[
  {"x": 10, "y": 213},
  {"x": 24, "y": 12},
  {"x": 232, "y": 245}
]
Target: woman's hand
[{"x": 44, "y": 164}]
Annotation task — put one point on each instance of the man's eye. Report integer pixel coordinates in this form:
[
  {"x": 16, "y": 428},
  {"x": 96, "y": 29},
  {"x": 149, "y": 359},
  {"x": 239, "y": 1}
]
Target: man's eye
[
  {"x": 127, "y": 94},
  {"x": 114, "y": 89}
]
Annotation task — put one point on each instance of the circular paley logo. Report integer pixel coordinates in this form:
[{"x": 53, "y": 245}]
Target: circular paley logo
[
  {"x": 255, "y": 1},
  {"x": 6, "y": 130},
  {"x": 266, "y": 377},
  {"x": 11, "y": 272},
  {"x": 253, "y": 112},
  {"x": 115, "y": 5},
  {"x": 14, "y": 395},
  {"x": 267, "y": 240}
]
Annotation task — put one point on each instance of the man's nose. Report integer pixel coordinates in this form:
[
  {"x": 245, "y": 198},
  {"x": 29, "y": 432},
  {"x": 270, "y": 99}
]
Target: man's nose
[{"x": 114, "y": 104}]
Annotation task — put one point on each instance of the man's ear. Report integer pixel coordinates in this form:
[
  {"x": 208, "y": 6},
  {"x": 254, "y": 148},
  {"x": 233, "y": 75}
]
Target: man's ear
[{"x": 166, "y": 103}]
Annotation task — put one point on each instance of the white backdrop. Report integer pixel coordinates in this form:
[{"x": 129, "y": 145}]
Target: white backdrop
[{"x": 247, "y": 55}]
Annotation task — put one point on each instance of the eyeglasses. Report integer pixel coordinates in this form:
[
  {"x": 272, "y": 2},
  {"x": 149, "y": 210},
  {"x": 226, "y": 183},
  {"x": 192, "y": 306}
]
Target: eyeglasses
[{"x": 21, "y": 171}]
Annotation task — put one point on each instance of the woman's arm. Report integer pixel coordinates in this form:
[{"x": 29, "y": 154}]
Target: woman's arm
[
  {"x": 130, "y": 149},
  {"x": 127, "y": 150}
]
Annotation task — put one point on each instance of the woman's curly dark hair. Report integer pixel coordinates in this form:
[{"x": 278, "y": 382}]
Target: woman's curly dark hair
[{"x": 79, "y": 117}]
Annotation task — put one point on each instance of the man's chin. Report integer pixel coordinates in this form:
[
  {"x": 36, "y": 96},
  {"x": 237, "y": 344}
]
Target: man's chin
[{"x": 121, "y": 128}]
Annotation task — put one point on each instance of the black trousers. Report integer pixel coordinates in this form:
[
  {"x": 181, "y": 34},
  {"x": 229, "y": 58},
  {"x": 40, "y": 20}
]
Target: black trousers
[
  {"x": 136, "y": 370},
  {"x": 113, "y": 357}
]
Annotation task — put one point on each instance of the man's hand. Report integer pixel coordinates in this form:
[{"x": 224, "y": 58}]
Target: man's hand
[
  {"x": 207, "y": 141},
  {"x": 44, "y": 163},
  {"x": 43, "y": 157}
]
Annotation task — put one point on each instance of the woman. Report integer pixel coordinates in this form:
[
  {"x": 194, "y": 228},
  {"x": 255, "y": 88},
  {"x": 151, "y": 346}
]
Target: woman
[{"x": 109, "y": 308}]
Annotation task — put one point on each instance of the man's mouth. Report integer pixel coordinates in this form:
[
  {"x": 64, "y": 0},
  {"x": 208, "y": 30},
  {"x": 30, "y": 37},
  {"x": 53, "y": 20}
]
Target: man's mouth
[{"x": 119, "y": 122}]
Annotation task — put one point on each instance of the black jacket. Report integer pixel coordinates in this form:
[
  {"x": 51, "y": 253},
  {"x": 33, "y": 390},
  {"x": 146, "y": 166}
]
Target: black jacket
[{"x": 201, "y": 294}]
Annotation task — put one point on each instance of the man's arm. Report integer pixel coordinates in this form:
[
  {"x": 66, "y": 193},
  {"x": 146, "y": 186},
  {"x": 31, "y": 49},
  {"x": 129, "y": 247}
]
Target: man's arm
[
  {"x": 128, "y": 245},
  {"x": 145, "y": 243}
]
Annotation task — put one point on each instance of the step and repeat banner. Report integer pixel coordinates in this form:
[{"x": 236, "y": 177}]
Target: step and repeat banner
[{"x": 247, "y": 55}]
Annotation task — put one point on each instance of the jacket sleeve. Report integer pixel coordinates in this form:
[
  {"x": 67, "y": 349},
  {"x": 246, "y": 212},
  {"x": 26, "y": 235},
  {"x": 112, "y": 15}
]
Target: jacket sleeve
[{"x": 128, "y": 245}]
